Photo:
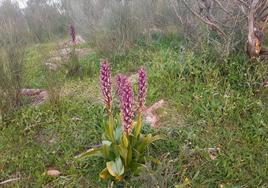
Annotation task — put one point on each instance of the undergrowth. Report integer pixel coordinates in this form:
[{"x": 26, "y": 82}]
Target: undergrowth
[{"x": 210, "y": 103}]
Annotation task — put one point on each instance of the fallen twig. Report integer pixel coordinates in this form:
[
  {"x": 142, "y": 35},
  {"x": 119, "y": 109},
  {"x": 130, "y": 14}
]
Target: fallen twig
[{"x": 9, "y": 181}]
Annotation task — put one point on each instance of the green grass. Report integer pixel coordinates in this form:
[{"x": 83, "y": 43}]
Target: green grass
[
  {"x": 34, "y": 76},
  {"x": 209, "y": 103}
]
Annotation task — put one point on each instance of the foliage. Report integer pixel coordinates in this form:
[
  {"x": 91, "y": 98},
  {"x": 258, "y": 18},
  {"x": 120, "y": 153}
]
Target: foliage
[
  {"x": 73, "y": 68},
  {"x": 45, "y": 20},
  {"x": 12, "y": 41},
  {"x": 114, "y": 26},
  {"x": 11, "y": 79},
  {"x": 54, "y": 83},
  {"x": 210, "y": 102}
]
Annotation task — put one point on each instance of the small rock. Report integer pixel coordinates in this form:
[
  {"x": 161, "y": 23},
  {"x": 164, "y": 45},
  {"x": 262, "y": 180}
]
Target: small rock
[
  {"x": 53, "y": 172},
  {"x": 52, "y": 66},
  {"x": 150, "y": 116},
  {"x": 213, "y": 152},
  {"x": 80, "y": 40},
  {"x": 30, "y": 92},
  {"x": 76, "y": 119}
]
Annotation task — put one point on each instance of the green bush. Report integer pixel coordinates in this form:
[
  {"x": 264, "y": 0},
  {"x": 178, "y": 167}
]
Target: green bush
[{"x": 11, "y": 77}]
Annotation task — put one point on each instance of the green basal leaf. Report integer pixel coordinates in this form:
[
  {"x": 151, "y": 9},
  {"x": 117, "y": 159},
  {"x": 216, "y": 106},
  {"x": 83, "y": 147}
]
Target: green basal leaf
[
  {"x": 136, "y": 154},
  {"x": 118, "y": 133},
  {"x": 129, "y": 156},
  {"x": 104, "y": 174},
  {"x": 90, "y": 153},
  {"x": 111, "y": 128},
  {"x": 138, "y": 125},
  {"x": 116, "y": 168},
  {"x": 143, "y": 143},
  {"x": 106, "y": 132},
  {"x": 122, "y": 151},
  {"x": 119, "y": 165},
  {"x": 146, "y": 140},
  {"x": 124, "y": 140},
  {"x": 136, "y": 167},
  {"x": 106, "y": 142},
  {"x": 106, "y": 151}
]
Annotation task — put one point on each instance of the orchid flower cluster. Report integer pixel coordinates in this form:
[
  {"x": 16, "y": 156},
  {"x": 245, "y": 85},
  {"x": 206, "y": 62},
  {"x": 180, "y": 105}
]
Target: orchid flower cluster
[
  {"x": 72, "y": 65},
  {"x": 125, "y": 92},
  {"x": 123, "y": 146},
  {"x": 73, "y": 33}
]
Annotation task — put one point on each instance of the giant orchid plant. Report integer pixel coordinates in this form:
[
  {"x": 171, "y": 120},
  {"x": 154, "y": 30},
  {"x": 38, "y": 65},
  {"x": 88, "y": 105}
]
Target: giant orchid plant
[{"x": 123, "y": 146}]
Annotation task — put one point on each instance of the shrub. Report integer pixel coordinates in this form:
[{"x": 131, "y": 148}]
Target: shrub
[
  {"x": 14, "y": 37},
  {"x": 13, "y": 41},
  {"x": 11, "y": 65},
  {"x": 113, "y": 26},
  {"x": 123, "y": 144},
  {"x": 72, "y": 65},
  {"x": 54, "y": 82}
]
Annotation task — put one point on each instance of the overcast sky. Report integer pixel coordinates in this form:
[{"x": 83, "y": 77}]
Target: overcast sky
[{"x": 22, "y": 3}]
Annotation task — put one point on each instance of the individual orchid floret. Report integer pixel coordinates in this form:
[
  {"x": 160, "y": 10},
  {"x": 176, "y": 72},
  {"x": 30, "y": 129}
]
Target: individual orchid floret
[
  {"x": 142, "y": 90},
  {"x": 126, "y": 103},
  {"x": 120, "y": 80},
  {"x": 106, "y": 85}
]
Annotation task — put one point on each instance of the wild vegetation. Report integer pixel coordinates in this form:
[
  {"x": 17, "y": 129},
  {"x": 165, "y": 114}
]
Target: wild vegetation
[{"x": 73, "y": 111}]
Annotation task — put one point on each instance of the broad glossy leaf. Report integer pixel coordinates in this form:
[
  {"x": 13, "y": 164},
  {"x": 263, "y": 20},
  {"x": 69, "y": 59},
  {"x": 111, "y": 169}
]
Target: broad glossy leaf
[
  {"x": 118, "y": 133},
  {"x": 111, "y": 128},
  {"x": 90, "y": 153},
  {"x": 106, "y": 151},
  {"x": 124, "y": 140},
  {"x": 129, "y": 156},
  {"x": 115, "y": 168},
  {"x": 138, "y": 125},
  {"x": 122, "y": 151},
  {"x": 104, "y": 174},
  {"x": 143, "y": 143},
  {"x": 137, "y": 167},
  {"x": 145, "y": 140},
  {"x": 106, "y": 142}
]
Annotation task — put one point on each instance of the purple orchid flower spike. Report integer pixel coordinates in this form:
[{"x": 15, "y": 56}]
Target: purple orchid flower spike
[
  {"x": 73, "y": 33},
  {"x": 126, "y": 102},
  {"x": 142, "y": 91},
  {"x": 106, "y": 85}
]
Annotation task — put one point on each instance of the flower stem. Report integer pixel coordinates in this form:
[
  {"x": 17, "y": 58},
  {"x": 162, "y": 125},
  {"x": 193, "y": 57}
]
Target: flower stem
[{"x": 139, "y": 125}]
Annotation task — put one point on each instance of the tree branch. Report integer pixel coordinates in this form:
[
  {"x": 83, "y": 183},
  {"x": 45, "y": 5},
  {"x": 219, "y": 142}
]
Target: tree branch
[
  {"x": 176, "y": 12},
  {"x": 222, "y": 7},
  {"x": 208, "y": 22},
  {"x": 244, "y": 3}
]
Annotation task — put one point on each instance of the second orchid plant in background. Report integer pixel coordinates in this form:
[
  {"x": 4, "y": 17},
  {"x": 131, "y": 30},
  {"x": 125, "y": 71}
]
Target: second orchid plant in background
[
  {"x": 123, "y": 146},
  {"x": 72, "y": 65},
  {"x": 72, "y": 33}
]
